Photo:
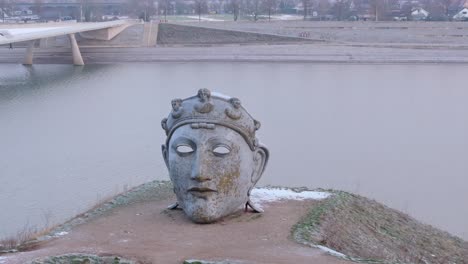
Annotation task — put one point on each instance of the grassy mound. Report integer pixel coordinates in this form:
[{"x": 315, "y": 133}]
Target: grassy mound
[
  {"x": 82, "y": 259},
  {"x": 368, "y": 231}
]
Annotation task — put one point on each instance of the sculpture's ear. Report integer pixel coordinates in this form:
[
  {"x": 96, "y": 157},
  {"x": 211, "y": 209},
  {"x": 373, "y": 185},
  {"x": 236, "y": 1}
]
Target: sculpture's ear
[
  {"x": 261, "y": 156},
  {"x": 165, "y": 155}
]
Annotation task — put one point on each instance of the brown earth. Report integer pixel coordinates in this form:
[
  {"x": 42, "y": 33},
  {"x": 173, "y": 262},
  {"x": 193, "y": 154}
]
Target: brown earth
[
  {"x": 147, "y": 232},
  {"x": 137, "y": 226}
]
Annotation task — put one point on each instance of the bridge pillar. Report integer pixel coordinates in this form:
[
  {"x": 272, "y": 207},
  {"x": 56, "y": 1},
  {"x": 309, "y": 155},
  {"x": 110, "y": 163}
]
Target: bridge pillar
[
  {"x": 28, "y": 57},
  {"x": 77, "y": 59}
]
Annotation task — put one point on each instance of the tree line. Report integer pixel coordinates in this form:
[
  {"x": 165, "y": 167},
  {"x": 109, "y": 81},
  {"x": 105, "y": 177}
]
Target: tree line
[
  {"x": 309, "y": 9},
  {"x": 380, "y": 9},
  {"x": 256, "y": 9}
]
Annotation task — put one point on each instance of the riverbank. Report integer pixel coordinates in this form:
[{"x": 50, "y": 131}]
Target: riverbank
[
  {"x": 313, "y": 53},
  {"x": 137, "y": 226},
  {"x": 278, "y": 41},
  {"x": 298, "y": 226}
]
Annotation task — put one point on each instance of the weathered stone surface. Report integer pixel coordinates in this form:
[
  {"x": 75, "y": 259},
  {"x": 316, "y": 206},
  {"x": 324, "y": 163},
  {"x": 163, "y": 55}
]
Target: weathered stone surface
[{"x": 213, "y": 156}]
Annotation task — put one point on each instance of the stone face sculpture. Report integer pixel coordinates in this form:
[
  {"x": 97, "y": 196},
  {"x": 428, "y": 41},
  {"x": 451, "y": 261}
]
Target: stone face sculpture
[{"x": 212, "y": 154}]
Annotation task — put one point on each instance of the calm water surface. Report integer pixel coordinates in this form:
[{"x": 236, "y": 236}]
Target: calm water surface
[{"x": 72, "y": 136}]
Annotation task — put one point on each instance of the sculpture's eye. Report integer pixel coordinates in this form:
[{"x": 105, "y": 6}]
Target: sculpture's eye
[
  {"x": 184, "y": 149},
  {"x": 221, "y": 150}
]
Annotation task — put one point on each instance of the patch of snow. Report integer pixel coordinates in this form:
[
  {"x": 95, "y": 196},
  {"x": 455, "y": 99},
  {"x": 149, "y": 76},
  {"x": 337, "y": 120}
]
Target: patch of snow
[
  {"x": 331, "y": 251},
  {"x": 287, "y": 17},
  {"x": 220, "y": 95},
  {"x": 204, "y": 18},
  {"x": 63, "y": 233},
  {"x": 262, "y": 195},
  {"x": 3, "y": 260}
]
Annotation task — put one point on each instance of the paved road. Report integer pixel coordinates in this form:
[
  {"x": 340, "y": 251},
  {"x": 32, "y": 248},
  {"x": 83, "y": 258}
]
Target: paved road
[{"x": 255, "y": 53}]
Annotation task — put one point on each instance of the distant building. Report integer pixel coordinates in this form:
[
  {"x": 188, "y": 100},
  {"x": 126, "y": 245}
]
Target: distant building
[
  {"x": 72, "y": 9},
  {"x": 419, "y": 14},
  {"x": 462, "y": 15}
]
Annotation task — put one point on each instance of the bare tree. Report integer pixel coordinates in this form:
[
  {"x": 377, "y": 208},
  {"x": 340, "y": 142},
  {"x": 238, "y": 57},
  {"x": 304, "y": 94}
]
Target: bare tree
[
  {"x": 446, "y": 6},
  {"x": 38, "y": 5},
  {"x": 306, "y": 5},
  {"x": 148, "y": 9},
  {"x": 2, "y": 9},
  {"x": 407, "y": 8},
  {"x": 378, "y": 8},
  {"x": 4, "y": 5},
  {"x": 200, "y": 7},
  {"x": 286, "y": 5},
  {"x": 235, "y": 7},
  {"x": 323, "y": 7},
  {"x": 216, "y": 6},
  {"x": 252, "y": 7},
  {"x": 85, "y": 10},
  {"x": 438, "y": 9},
  {"x": 269, "y": 6},
  {"x": 341, "y": 9},
  {"x": 163, "y": 6},
  {"x": 144, "y": 9},
  {"x": 255, "y": 8}
]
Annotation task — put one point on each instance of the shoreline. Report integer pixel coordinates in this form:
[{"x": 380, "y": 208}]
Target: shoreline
[
  {"x": 106, "y": 206},
  {"x": 287, "y": 231},
  {"x": 265, "y": 53},
  {"x": 276, "y": 42},
  {"x": 125, "y": 211}
]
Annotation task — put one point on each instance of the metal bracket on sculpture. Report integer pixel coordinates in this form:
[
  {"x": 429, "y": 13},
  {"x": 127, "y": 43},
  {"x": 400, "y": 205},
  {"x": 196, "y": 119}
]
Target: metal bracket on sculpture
[
  {"x": 254, "y": 208},
  {"x": 174, "y": 206}
]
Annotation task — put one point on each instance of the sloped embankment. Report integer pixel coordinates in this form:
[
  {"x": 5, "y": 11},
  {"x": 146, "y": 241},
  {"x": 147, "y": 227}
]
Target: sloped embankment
[
  {"x": 365, "y": 230},
  {"x": 172, "y": 34}
]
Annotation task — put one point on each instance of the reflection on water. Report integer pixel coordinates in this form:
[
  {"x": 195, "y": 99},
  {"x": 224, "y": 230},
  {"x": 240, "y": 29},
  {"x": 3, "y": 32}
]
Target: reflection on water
[
  {"x": 15, "y": 79},
  {"x": 71, "y": 136}
]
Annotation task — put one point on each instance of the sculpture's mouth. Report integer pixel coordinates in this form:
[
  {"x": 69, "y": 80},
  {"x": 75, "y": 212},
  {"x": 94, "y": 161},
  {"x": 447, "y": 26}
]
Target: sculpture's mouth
[{"x": 201, "y": 191}]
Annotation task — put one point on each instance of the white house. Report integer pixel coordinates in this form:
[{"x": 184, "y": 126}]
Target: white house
[
  {"x": 419, "y": 14},
  {"x": 462, "y": 15}
]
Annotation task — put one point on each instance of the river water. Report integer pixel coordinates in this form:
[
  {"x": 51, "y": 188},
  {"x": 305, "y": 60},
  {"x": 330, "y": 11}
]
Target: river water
[{"x": 73, "y": 136}]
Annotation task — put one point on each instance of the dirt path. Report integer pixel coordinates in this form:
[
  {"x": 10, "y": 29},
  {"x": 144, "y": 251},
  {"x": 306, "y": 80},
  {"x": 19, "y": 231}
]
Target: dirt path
[{"x": 150, "y": 234}]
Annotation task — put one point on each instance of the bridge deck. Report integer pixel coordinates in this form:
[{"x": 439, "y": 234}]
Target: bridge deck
[{"x": 10, "y": 34}]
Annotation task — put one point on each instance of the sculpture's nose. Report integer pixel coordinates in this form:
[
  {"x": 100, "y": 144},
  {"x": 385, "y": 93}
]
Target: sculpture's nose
[{"x": 199, "y": 172}]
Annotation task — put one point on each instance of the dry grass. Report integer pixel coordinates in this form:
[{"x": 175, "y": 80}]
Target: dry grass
[
  {"x": 83, "y": 259},
  {"x": 25, "y": 239},
  {"x": 31, "y": 237},
  {"x": 368, "y": 231},
  {"x": 13, "y": 242}
]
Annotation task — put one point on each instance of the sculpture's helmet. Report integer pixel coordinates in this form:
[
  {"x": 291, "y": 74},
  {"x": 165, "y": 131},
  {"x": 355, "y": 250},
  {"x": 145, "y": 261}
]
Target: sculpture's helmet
[{"x": 207, "y": 109}]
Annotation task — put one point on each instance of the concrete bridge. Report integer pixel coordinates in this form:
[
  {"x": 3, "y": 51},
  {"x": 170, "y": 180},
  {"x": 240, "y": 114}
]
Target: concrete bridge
[{"x": 31, "y": 33}]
